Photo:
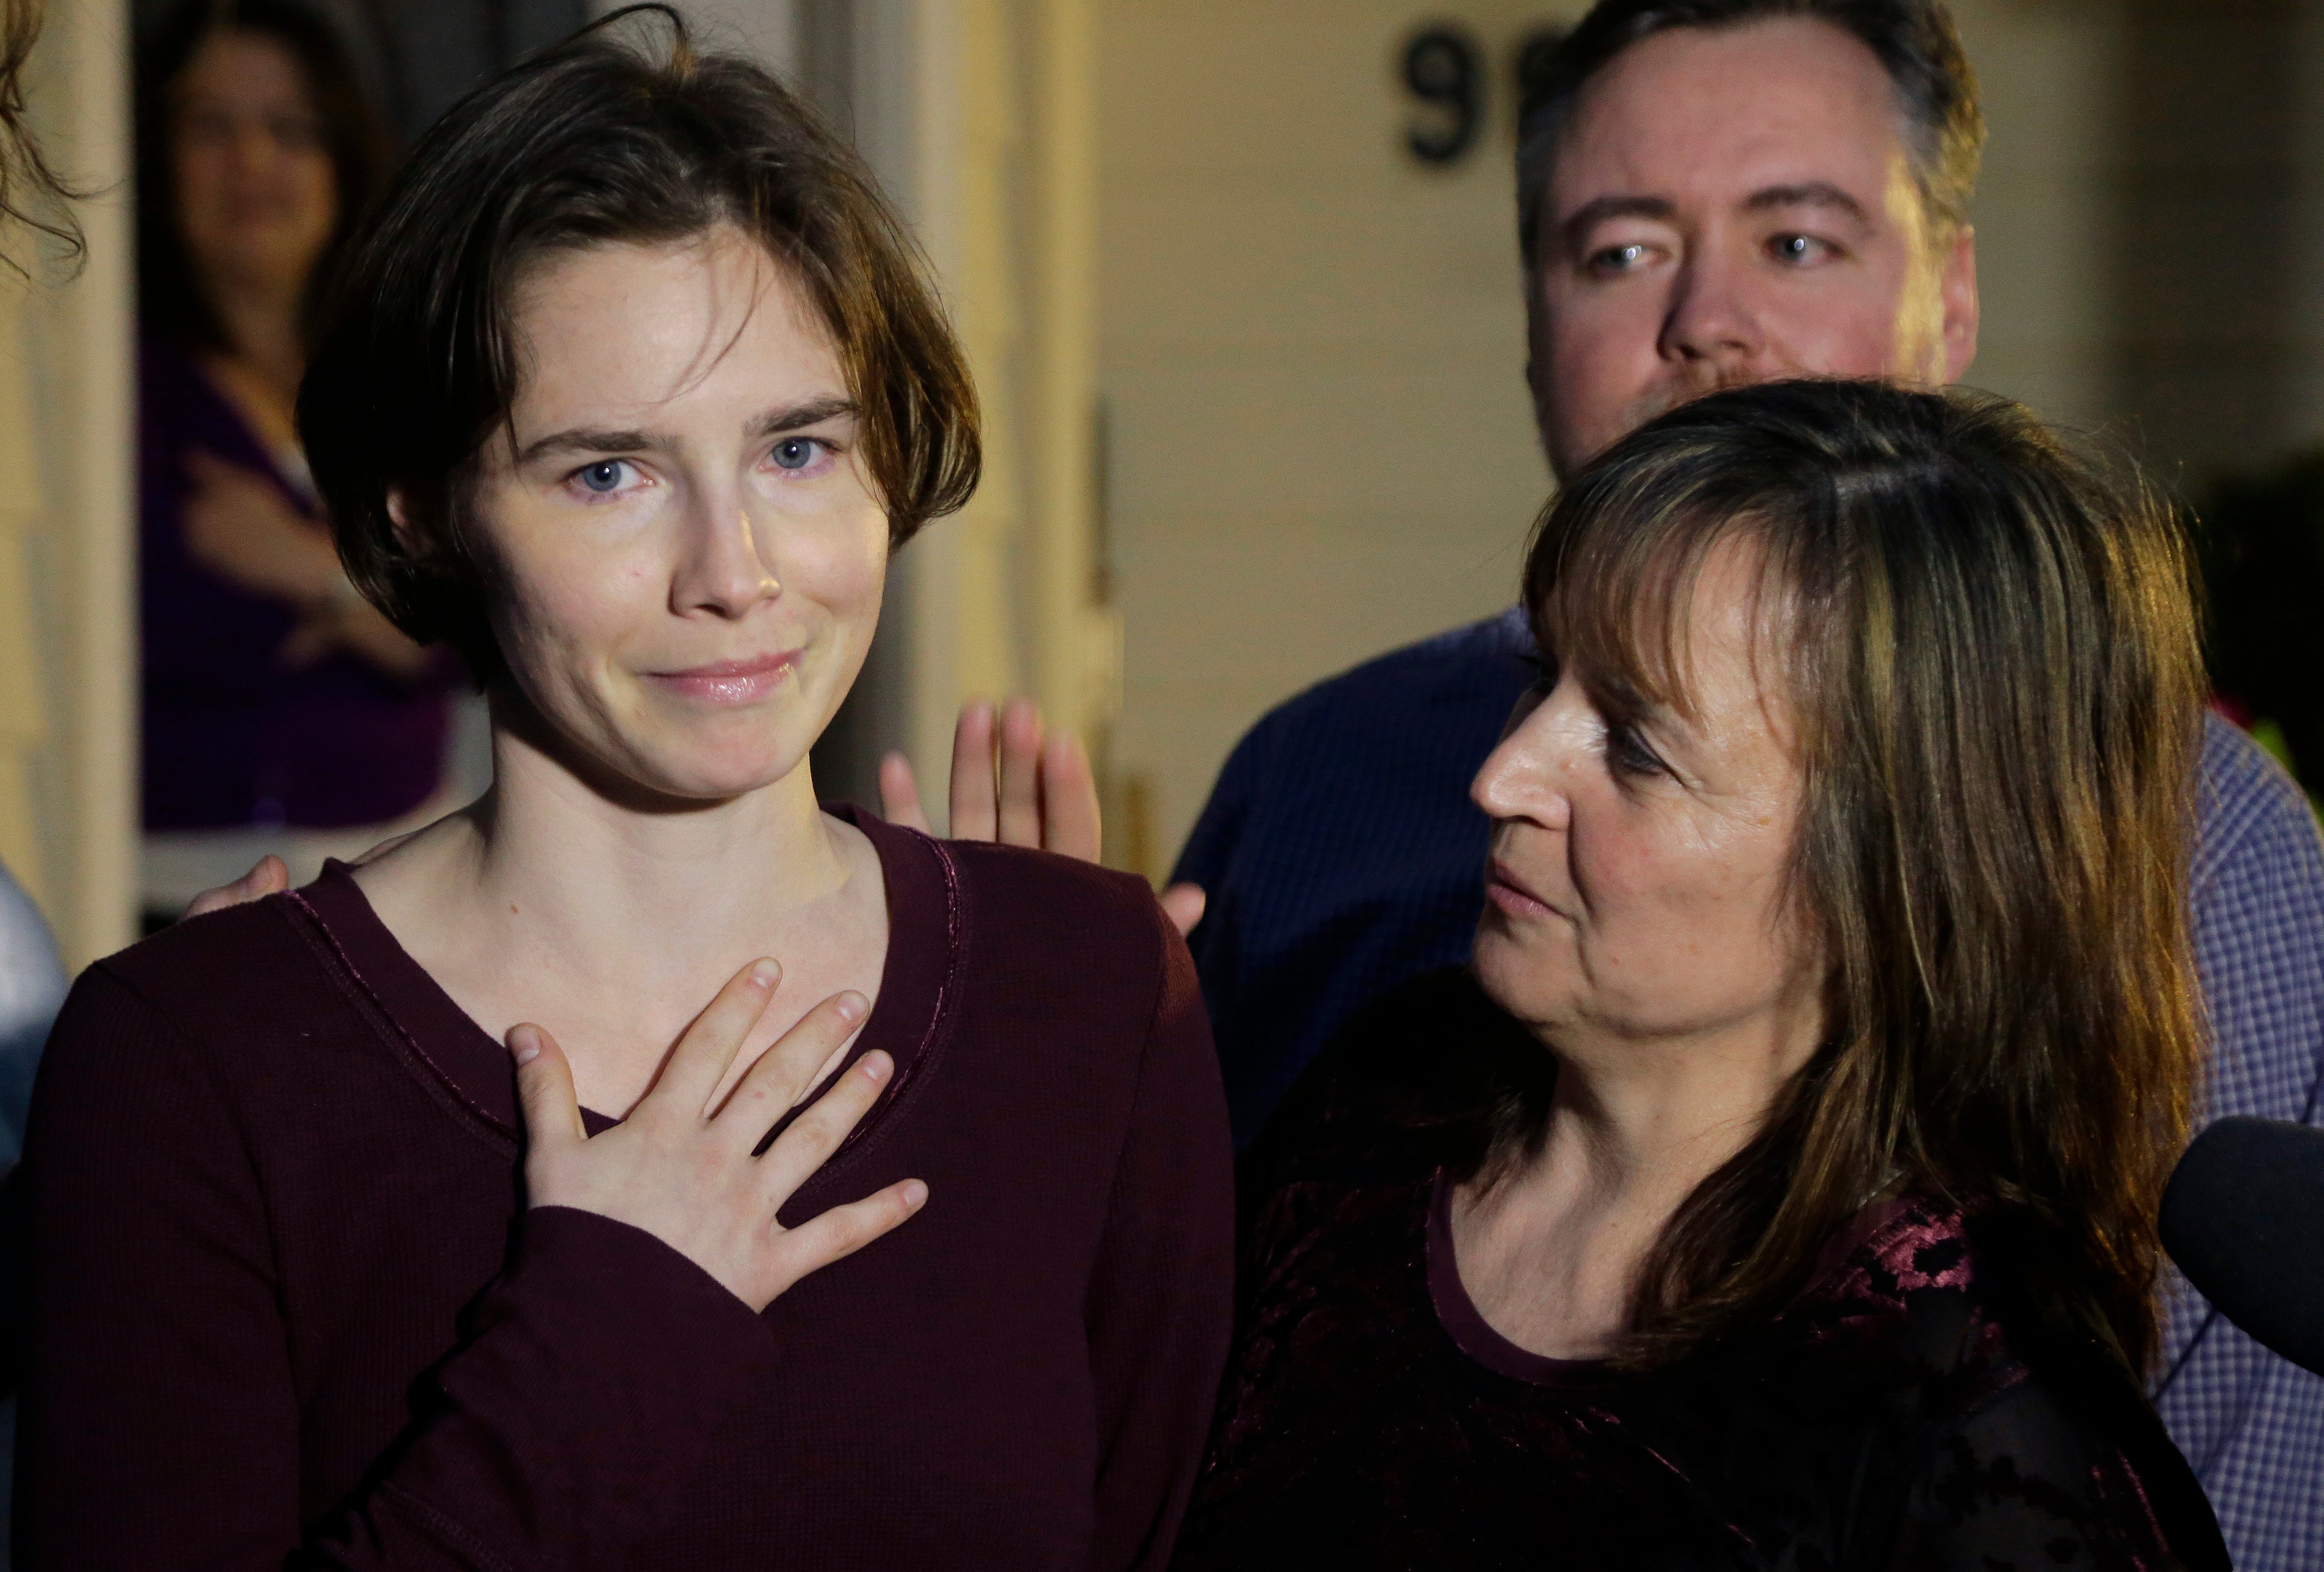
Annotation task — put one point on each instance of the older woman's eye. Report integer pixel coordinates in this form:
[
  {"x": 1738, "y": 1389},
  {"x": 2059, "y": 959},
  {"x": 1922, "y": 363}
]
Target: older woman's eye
[
  {"x": 1627, "y": 753},
  {"x": 604, "y": 476},
  {"x": 796, "y": 452}
]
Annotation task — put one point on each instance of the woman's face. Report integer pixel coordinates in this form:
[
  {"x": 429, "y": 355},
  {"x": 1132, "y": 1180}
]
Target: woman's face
[
  {"x": 1635, "y": 891},
  {"x": 257, "y": 197},
  {"x": 686, "y": 554}
]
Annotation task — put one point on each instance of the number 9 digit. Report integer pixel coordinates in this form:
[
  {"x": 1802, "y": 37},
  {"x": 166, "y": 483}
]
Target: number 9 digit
[{"x": 1445, "y": 69}]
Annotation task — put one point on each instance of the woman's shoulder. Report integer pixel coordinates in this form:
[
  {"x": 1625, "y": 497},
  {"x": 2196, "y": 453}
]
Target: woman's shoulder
[
  {"x": 1020, "y": 915},
  {"x": 199, "y": 953},
  {"x": 1915, "y": 1282},
  {"x": 1050, "y": 890},
  {"x": 1411, "y": 1084},
  {"x": 1906, "y": 1408},
  {"x": 232, "y": 987}
]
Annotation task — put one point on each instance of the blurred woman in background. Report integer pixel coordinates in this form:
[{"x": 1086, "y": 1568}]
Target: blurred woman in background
[{"x": 282, "y": 712}]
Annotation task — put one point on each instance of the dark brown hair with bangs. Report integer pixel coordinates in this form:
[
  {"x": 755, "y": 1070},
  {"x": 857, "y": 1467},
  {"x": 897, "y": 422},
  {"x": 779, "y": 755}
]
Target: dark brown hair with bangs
[
  {"x": 1990, "y": 649},
  {"x": 599, "y": 141}
]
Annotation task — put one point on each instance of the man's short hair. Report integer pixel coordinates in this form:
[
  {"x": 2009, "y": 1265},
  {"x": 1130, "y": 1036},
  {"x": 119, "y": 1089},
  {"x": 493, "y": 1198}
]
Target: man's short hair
[{"x": 1914, "y": 40}]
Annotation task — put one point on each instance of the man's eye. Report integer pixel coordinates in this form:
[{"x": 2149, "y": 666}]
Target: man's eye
[
  {"x": 604, "y": 476},
  {"x": 796, "y": 452},
  {"x": 1619, "y": 259},
  {"x": 1798, "y": 249}
]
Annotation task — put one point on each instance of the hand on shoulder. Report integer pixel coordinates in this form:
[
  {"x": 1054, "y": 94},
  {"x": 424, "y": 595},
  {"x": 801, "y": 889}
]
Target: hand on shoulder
[{"x": 1016, "y": 783}]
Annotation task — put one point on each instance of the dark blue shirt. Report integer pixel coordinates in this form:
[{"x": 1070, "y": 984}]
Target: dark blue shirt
[
  {"x": 1342, "y": 856},
  {"x": 1342, "y": 853}
]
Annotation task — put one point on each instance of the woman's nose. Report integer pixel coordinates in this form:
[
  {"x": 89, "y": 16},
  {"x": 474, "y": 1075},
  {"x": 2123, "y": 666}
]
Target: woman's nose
[
  {"x": 1524, "y": 778},
  {"x": 723, "y": 570}
]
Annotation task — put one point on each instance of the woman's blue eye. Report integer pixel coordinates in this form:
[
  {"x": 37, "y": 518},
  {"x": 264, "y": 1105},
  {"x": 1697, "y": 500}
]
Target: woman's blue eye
[
  {"x": 796, "y": 452},
  {"x": 604, "y": 475}
]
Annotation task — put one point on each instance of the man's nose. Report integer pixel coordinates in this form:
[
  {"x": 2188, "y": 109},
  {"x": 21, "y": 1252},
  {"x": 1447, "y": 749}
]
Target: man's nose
[{"x": 1712, "y": 322}]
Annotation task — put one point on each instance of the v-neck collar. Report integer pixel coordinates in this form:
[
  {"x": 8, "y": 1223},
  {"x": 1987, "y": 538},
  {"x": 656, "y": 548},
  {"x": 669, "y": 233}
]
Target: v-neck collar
[{"x": 920, "y": 987}]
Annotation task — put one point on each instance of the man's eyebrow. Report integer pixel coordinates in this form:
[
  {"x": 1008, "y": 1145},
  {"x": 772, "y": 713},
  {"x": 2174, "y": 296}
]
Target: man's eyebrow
[
  {"x": 1592, "y": 214},
  {"x": 1808, "y": 194},
  {"x": 593, "y": 439}
]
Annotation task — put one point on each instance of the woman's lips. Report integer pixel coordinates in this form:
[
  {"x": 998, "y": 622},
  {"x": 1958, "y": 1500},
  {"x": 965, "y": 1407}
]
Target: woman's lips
[
  {"x": 729, "y": 682},
  {"x": 1503, "y": 889}
]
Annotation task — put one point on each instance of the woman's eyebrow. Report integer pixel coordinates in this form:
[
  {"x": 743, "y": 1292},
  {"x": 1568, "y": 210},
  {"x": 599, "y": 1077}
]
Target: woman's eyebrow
[
  {"x": 593, "y": 439},
  {"x": 1668, "y": 720},
  {"x": 796, "y": 416},
  {"x": 585, "y": 439},
  {"x": 1614, "y": 696}
]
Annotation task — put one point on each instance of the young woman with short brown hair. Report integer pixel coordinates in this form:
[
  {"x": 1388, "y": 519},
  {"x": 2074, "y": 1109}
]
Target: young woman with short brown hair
[{"x": 379, "y": 1224}]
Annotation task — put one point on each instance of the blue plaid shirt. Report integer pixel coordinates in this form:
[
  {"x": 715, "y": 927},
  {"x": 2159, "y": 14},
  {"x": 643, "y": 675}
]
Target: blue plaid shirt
[{"x": 1342, "y": 856}]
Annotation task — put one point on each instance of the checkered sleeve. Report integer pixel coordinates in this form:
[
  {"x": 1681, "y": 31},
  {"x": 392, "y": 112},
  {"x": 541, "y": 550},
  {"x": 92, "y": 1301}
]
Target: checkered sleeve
[{"x": 2251, "y": 1424}]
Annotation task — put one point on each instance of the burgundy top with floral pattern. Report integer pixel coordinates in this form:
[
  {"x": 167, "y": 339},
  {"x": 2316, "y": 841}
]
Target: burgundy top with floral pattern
[{"x": 1900, "y": 1414}]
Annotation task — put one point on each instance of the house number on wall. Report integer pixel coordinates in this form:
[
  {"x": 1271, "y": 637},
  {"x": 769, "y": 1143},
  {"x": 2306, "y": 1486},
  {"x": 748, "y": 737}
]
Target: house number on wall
[{"x": 1444, "y": 71}]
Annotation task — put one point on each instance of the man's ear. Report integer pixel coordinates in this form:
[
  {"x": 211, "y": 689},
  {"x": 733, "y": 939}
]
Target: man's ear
[{"x": 1956, "y": 291}]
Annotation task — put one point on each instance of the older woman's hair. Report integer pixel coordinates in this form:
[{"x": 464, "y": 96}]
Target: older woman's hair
[
  {"x": 601, "y": 141},
  {"x": 1991, "y": 652}
]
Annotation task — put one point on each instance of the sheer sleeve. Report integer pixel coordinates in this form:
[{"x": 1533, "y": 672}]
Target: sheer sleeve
[{"x": 2024, "y": 1482}]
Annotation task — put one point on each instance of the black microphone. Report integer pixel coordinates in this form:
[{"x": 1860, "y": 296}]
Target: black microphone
[{"x": 2244, "y": 1217}]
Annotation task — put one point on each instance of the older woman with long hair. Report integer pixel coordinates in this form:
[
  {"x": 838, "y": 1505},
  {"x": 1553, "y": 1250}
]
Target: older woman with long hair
[{"x": 1780, "y": 1187}]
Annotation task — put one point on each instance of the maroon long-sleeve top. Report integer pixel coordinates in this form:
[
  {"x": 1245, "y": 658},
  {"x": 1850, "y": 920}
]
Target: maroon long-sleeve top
[{"x": 288, "y": 1307}]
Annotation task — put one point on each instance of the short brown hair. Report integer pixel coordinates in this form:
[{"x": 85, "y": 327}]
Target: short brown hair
[
  {"x": 1991, "y": 650},
  {"x": 594, "y": 141},
  {"x": 1914, "y": 41}
]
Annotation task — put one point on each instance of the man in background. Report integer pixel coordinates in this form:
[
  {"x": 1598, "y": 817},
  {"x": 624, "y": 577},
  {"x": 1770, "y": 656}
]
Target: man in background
[{"x": 1713, "y": 193}]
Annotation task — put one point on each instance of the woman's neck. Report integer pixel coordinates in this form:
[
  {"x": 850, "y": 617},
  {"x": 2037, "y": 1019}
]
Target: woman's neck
[
  {"x": 1550, "y": 1249},
  {"x": 260, "y": 320},
  {"x": 598, "y": 874},
  {"x": 612, "y": 922}
]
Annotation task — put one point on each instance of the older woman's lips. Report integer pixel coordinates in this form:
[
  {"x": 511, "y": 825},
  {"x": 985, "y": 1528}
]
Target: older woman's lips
[
  {"x": 729, "y": 682},
  {"x": 1502, "y": 889}
]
